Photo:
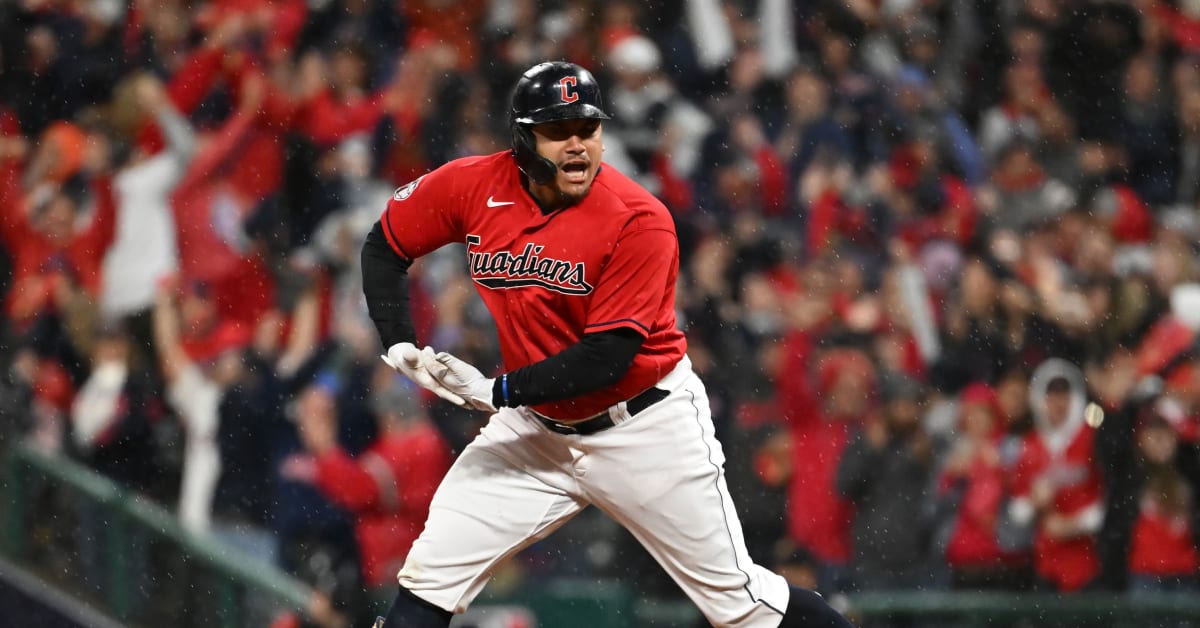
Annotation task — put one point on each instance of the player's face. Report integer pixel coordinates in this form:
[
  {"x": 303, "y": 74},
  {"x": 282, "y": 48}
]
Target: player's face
[{"x": 575, "y": 147}]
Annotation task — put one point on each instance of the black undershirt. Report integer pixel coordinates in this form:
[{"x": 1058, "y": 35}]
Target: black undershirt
[
  {"x": 596, "y": 362},
  {"x": 385, "y": 286}
]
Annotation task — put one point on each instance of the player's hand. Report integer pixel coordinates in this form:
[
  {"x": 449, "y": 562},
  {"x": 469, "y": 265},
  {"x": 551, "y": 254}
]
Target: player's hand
[
  {"x": 414, "y": 364},
  {"x": 464, "y": 380}
]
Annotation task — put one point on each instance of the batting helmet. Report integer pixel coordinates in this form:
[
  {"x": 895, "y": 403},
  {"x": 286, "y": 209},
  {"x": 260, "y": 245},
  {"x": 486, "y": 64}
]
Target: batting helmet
[{"x": 555, "y": 90}]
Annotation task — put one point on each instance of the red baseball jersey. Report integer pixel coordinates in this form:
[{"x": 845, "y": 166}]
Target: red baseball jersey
[{"x": 609, "y": 262}]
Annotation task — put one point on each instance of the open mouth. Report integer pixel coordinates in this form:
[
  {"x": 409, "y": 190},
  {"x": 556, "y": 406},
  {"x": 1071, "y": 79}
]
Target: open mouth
[{"x": 576, "y": 171}]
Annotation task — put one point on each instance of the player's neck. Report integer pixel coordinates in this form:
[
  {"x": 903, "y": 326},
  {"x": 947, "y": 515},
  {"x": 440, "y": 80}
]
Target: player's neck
[{"x": 548, "y": 197}]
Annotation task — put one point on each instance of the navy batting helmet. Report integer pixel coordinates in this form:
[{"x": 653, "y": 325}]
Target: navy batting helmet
[{"x": 547, "y": 92}]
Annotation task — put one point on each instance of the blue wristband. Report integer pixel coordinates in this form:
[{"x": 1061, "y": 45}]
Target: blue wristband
[{"x": 504, "y": 387}]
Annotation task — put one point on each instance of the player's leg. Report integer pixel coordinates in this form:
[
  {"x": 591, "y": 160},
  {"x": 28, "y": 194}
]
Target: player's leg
[
  {"x": 510, "y": 487},
  {"x": 661, "y": 475},
  {"x": 410, "y": 611},
  {"x": 807, "y": 609}
]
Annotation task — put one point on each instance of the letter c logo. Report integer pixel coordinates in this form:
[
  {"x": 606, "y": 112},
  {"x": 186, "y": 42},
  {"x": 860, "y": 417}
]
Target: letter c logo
[{"x": 567, "y": 85}]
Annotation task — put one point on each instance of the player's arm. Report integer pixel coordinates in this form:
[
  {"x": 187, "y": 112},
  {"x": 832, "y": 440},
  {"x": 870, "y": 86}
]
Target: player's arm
[
  {"x": 385, "y": 286},
  {"x": 418, "y": 219},
  {"x": 596, "y": 362}
]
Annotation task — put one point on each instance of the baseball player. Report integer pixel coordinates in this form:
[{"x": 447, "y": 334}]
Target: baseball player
[{"x": 598, "y": 404}]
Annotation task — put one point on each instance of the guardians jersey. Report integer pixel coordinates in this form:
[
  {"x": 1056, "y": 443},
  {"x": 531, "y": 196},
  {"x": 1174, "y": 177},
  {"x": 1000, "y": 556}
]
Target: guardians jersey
[{"x": 609, "y": 262}]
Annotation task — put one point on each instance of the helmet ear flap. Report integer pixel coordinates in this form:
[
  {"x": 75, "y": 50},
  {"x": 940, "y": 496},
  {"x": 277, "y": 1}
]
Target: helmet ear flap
[{"x": 524, "y": 150}]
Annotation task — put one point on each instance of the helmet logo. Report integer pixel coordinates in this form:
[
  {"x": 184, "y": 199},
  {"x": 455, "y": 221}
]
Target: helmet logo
[{"x": 567, "y": 85}]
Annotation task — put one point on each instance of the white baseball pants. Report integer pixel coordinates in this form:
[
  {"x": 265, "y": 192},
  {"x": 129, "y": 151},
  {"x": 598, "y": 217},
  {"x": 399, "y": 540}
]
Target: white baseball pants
[{"x": 660, "y": 474}]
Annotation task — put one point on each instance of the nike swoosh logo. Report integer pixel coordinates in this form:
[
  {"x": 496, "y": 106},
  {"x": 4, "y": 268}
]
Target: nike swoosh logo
[{"x": 492, "y": 203}]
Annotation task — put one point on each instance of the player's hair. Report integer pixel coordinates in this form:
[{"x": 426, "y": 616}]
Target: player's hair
[{"x": 547, "y": 92}]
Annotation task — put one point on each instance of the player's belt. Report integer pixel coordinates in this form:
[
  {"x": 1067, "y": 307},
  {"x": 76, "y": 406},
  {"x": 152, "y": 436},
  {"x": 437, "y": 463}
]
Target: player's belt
[{"x": 604, "y": 420}]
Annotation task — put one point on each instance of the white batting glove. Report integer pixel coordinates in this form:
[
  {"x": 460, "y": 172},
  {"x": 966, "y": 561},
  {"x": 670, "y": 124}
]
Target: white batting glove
[
  {"x": 414, "y": 364},
  {"x": 465, "y": 381}
]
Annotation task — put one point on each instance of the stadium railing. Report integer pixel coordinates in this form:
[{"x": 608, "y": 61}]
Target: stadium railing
[
  {"x": 131, "y": 559},
  {"x": 126, "y": 556},
  {"x": 970, "y": 609}
]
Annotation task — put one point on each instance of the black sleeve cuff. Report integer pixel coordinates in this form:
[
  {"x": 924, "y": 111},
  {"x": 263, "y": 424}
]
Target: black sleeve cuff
[{"x": 498, "y": 393}]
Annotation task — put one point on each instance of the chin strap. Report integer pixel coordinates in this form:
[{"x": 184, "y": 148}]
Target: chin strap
[{"x": 524, "y": 149}]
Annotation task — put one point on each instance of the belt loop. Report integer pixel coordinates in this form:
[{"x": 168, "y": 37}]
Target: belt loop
[{"x": 619, "y": 412}]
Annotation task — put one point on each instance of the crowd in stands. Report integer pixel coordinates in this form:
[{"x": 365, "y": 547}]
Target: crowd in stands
[{"x": 916, "y": 239}]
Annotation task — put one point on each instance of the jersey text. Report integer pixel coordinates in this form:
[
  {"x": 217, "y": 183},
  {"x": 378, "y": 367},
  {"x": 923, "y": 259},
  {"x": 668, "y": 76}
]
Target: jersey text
[{"x": 502, "y": 270}]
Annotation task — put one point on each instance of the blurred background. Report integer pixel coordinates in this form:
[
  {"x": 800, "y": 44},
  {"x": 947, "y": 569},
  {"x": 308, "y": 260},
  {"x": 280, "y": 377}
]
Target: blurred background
[{"x": 917, "y": 236}]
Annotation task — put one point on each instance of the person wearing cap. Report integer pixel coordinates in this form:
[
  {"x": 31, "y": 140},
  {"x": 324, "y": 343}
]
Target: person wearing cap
[{"x": 657, "y": 134}]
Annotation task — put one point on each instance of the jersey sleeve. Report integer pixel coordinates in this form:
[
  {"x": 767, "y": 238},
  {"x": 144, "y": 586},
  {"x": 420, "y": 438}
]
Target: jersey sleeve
[
  {"x": 634, "y": 285},
  {"x": 423, "y": 215}
]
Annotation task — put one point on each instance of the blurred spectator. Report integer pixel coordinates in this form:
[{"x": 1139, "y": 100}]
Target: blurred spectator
[
  {"x": 1150, "y": 131},
  {"x": 1021, "y": 195},
  {"x": 145, "y": 249},
  {"x": 654, "y": 129},
  {"x": 388, "y": 486},
  {"x": 454, "y": 22},
  {"x": 819, "y": 515},
  {"x": 759, "y": 462},
  {"x": 1103, "y": 36},
  {"x": 976, "y": 328},
  {"x": 922, "y": 115},
  {"x": 199, "y": 356},
  {"x": 1163, "y": 555},
  {"x": 210, "y": 209},
  {"x": 1187, "y": 109},
  {"x": 796, "y": 566},
  {"x": 886, "y": 472},
  {"x": 809, "y": 133},
  {"x": 745, "y": 175},
  {"x": 1027, "y": 113},
  {"x": 115, "y": 414},
  {"x": 972, "y": 491},
  {"x": 1149, "y": 451},
  {"x": 1058, "y": 496},
  {"x": 54, "y": 261}
]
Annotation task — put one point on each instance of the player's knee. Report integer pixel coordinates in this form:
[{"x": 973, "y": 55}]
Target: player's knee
[
  {"x": 410, "y": 611},
  {"x": 807, "y": 609}
]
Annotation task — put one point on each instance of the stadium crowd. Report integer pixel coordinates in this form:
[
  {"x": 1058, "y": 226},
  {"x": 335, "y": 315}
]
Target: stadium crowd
[{"x": 916, "y": 238}]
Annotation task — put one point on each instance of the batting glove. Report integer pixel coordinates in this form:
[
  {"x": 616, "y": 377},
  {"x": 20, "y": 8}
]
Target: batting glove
[
  {"x": 414, "y": 364},
  {"x": 465, "y": 381}
]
